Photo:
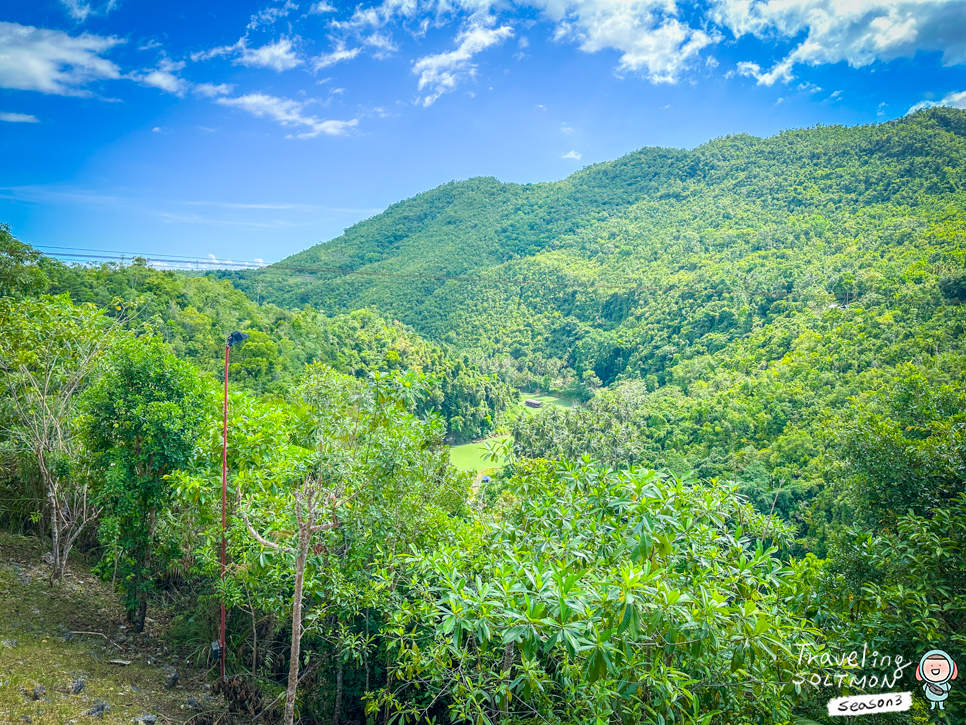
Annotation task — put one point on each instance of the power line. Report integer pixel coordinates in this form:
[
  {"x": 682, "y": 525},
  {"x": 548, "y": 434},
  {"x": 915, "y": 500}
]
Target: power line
[{"x": 206, "y": 265}]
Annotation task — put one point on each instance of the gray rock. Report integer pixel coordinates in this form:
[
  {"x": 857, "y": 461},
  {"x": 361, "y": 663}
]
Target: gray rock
[
  {"x": 136, "y": 690},
  {"x": 172, "y": 679},
  {"x": 48, "y": 559},
  {"x": 193, "y": 704},
  {"x": 146, "y": 719},
  {"x": 9, "y": 643},
  {"x": 76, "y": 686},
  {"x": 24, "y": 579},
  {"x": 37, "y": 692},
  {"x": 99, "y": 709},
  {"x": 120, "y": 638},
  {"x": 26, "y": 718},
  {"x": 68, "y": 637}
]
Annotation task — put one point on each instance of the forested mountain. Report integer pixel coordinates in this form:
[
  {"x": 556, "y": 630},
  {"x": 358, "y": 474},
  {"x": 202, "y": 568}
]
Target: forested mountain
[{"x": 746, "y": 302}]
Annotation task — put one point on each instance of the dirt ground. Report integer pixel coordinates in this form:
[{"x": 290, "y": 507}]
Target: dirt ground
[{"x": 66, "y": 655}]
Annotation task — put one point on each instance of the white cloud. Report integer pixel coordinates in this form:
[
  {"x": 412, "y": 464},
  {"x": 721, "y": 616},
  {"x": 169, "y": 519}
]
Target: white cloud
[
  {"x": 858, "y": 32},
  {"x": 271, "y": 14},
  {"x": 51, "y": 61},
  {"x": 572, "y": 155},
  {"x": 78, "y": 11},
  {"x": 321, "y": 7},
  {"x": 441, "y": 73},
  {"x": 781, "y": 71},
  {"x": 211, "y": 90},
  {"x": 956, "y": 99},
  {"x": 288, "y": 113},
  {"x": 566, "y": 129},
  {"x": 164, "y": 78},
  {"x": 18, "y": 118},
  {"x": 651, "y": 39},
  {"x": 650, "y": 36},
  {"x": 338, "y": 55},
  {"x": 279, "y": 56},
  {"x": 159, "y": 129}
]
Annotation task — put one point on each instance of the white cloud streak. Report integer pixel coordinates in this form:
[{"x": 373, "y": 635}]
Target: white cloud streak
[
  {"x": 53, "y": 62},
  {"x": 279, "y": 56},
  {"x": 443, "y": 72},
  {"x": 338, "y": 55},
  {"x": 289, "y": 113},
  {"x": 18, "y": 118},
  {"x": 575, "y": 155},
  {"x": 212, "y": 90},
  {"x": 272, "y": 14}
]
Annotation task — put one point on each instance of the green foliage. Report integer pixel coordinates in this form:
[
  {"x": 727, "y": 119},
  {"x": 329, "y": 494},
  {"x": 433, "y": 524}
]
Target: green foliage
[
  {"x": 194, "y": 314},
  {"x": 142, "y": 418},
  {"x": 906, "y": 449},
  {"x": 603, "y": 597},
  {"x": 48, "y": 348},
  {"x": 359, "y": 440},
  {"x": 22, "y": 268}
]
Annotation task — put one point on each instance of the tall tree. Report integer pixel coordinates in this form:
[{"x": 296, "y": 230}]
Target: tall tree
[
  {"x": 142, "y": 418},
  {"x": 48, "y": 348}
]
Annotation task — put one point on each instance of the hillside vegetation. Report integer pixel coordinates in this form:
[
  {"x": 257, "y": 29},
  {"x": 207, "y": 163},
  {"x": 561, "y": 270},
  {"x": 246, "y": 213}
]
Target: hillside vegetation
[
  {"x": 760, "y": 467},
  {"x": 746, "y": 302}
]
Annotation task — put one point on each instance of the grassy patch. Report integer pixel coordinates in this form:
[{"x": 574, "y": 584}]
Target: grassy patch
[
  {"x": 469, "y": 457},
  {"x": 546, "y": 400}
]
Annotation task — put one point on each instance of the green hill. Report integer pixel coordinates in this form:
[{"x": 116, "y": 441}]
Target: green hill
[{"x": 746, "y": 302}]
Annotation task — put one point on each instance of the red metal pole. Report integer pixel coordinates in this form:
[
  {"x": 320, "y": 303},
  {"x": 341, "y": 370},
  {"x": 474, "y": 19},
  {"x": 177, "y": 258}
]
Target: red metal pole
[{"x": 224, "y": 506}]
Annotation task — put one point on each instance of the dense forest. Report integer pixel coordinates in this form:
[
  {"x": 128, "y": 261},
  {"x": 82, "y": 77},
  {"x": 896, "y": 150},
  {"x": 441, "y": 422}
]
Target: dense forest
[{"x": 764, "y": 469}]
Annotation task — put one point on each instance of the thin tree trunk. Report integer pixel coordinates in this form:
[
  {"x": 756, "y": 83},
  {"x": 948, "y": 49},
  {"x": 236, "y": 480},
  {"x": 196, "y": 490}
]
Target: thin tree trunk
[
  {"x": 365, "y": 651},
  {"x": 338, "y": 682},
  {"x": 508, "y": 653},
  {"x": 142, "y": 610},
  {"x": 305, "y": 533},
  {"x": 54, "y": 536}
]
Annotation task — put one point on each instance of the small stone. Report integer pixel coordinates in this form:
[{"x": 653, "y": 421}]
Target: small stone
[
  {"x": 37, "y": 692},
  {"x": 120, "y": 638},
  {"x": 194, "y": 704},
  {"x": 99, "y": 709},
  {"x": 136, "y": 690},
  {"x": 76, "y": 686},
  {"x": 146, "y": 719},
  {"x": 9, "y": 643},
  {"x": 48, "y": 559},
  {"x": 26, "y": 718},
  {"x": 171, "y": 680},
  {"x": 68, "y": 637}
]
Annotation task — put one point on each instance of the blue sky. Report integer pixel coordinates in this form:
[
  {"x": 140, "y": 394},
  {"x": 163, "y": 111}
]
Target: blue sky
[{"x": 251, "y": 130}]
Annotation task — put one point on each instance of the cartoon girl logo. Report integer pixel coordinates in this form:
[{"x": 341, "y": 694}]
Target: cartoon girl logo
[{"x": 935, "y": 670}]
